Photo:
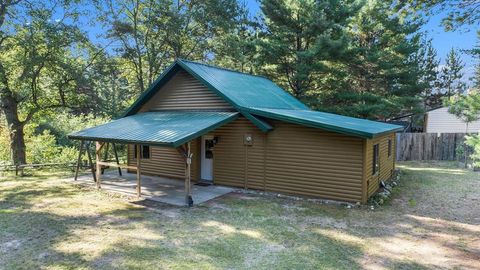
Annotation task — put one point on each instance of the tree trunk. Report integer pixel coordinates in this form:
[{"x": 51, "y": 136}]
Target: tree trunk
[
  {"x": 17, "y": 144},
  {"x": 9, "y": 107},
  {"x": 15, "y": 127}
]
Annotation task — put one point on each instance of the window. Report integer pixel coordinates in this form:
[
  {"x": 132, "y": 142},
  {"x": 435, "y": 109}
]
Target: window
[
  {"x": 144, "y": 151},
  {"x": 389, "y": 148},
  {"x": 376, "y": 162}
]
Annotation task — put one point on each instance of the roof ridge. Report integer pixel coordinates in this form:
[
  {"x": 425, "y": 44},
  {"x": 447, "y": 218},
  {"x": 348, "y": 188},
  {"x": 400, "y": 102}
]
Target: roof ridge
[{"x": 222, "y": 68}]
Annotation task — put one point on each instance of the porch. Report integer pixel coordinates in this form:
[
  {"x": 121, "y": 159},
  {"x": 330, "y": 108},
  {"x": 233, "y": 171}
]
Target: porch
[
  {"x": 155, "y": 188},
  {"x": 174, "y": 129}
]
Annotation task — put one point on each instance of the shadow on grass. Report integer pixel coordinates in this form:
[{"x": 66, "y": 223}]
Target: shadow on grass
[{"x": 260, "y": 233}]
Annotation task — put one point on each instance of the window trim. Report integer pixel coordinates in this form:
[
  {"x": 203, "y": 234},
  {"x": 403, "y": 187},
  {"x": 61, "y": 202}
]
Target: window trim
[
  {"x": 390, "y": 145},
  {"x": 142, "y": 152}
]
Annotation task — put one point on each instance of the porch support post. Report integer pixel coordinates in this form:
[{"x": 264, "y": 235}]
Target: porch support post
[
  {"x": 90, "y": 161},
  {"x": 105, "y": 155},
  {"x": 98, "y": 148},
  {"x": 116, "y": 158},
  {"x": 188, "y": 161},
  {"x": 80, "y": 152},
  {"x": 139, "y": 188}
]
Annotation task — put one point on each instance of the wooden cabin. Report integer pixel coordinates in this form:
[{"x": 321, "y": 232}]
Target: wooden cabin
[{"x": 244, "y": 131}]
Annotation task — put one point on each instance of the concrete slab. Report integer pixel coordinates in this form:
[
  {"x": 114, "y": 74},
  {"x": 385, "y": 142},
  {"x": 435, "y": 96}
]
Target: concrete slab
[{"x": 160, "y": 189}]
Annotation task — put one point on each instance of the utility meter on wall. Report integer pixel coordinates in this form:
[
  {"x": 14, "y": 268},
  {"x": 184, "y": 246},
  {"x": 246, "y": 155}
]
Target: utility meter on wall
[{"x": 248, "y": 139}]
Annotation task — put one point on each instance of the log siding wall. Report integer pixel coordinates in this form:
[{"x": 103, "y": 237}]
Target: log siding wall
[
  {"x": 387, "y": 164},
  {"x": 184, "y": 92},
  {"x": 309, "y": 161},
  {"x": 290, "y": 159},
  {"x": 167, "y": 162},
  {"x": 236, "y": 164}
]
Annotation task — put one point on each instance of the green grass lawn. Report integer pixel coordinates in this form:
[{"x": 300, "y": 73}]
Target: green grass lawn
[{"x": 431, "y": 222}]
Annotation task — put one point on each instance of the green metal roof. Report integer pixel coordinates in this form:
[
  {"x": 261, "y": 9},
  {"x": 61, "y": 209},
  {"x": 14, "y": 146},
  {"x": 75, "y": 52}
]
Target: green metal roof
[
  {"x": 328, "y": 121},
  {"x": 241, "y": 90},
  {"x": 157, "y": 128},
  {"x": 255, "y": 96}
]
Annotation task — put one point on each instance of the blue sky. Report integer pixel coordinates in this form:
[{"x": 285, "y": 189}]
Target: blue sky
[{"x": 462, "y": 39}]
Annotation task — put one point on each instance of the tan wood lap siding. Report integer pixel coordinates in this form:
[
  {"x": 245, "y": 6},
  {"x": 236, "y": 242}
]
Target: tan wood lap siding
[
  {"x": 167, "y": 162},
  {"x": 184, "y": 92},
  {"x": 231, "y": 166},
  {"x": 308, "y": 161},
  {"x": 290, "y": 159},
  {"x": 387, "y": 164}
]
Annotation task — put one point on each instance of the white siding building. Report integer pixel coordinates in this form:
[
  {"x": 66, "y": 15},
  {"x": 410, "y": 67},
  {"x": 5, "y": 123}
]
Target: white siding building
[{"x": 441, "y": 121}]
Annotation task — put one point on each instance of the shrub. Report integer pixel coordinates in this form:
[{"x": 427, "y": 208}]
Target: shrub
[
  {"x": 64, "y": 123},
  {"x": 474, "y": 142},
  {"x": 46, "y": 139},
  {"x": 4, "y": 143}
]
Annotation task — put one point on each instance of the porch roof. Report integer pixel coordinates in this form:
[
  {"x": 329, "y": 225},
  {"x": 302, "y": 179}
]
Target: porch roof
[{"x": 172, "y": 128}]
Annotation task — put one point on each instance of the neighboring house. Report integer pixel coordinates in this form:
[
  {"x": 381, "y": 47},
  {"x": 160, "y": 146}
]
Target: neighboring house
[
  {"x": 441, "y": 121},
  {"x": 245, "y": 131}
]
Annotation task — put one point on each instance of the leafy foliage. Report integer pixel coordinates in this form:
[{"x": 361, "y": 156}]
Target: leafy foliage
[
  {"x": 149, "y": 35},
  {"x": 46, "y": 139},
  {"x": 42, "y": 63},
  {"x": 474, "y": 142},
  {"x": 361, "y": 58},
  {"x": 465, "y": 107}
]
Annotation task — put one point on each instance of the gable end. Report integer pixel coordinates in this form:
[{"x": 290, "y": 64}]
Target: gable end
[{"x": 184, "y": 92}]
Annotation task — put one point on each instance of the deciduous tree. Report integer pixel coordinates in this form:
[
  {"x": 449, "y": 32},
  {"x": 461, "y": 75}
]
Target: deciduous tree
[{"x": 41, "y": 63}]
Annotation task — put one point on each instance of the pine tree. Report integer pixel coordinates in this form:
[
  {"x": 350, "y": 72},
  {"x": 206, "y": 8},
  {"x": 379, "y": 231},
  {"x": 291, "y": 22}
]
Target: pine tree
[
  {"x": 476, "y": 53},
  {"x": 430, "y": 78},
  {"x": 299, "y": 37},
  {"x": 237, "y": 48},
  {"x": 382, "y": 76},
  {"x": 452, "y": 75}
]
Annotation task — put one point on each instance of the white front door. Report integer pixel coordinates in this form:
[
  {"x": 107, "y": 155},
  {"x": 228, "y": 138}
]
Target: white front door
[{"x": 207, "y": 158}]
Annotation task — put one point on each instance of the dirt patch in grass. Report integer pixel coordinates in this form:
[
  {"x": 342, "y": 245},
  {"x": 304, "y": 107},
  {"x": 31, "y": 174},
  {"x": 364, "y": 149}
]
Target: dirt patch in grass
[{"x": 50, "y": 223}]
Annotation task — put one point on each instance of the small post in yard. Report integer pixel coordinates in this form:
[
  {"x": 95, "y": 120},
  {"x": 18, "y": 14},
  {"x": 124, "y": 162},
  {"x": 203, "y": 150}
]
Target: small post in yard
[
  {"x": 80, "y": 152},
  {"x": 139, "y": 188},
  {"x": 98, "y": 148},
  {"x": 188, "y": 161}
]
